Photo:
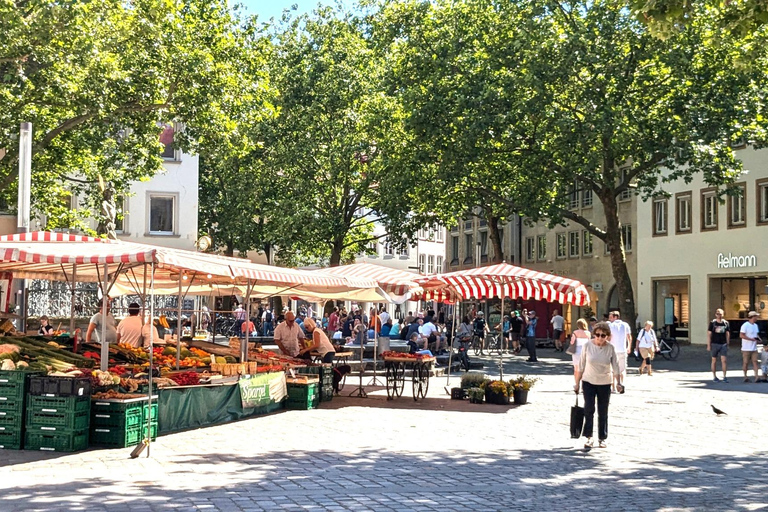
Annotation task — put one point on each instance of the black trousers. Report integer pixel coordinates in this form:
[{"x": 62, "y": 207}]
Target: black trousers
[
  {"x": 603, "y": 394},
  {"x": 530, "y": 345}
]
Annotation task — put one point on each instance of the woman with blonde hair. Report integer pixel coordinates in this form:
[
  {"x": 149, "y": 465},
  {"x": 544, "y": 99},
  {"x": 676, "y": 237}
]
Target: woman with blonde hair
[
  {"x": 579, "y": 338},
  {"x": 647, "y": 345},
  {"x": 320, "y": 342}
]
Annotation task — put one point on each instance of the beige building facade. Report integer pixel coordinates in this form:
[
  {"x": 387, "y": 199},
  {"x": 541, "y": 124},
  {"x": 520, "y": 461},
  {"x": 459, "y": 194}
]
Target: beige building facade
[
  {"x": 469, "y": 245},
  {"x": 699, "y": 253}
]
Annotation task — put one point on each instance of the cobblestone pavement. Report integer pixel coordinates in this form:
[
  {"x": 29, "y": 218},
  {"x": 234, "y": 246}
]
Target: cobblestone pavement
[{"x": 667, "y": 451}]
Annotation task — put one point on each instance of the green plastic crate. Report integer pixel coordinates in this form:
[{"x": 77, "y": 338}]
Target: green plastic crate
[
  {"x": 145, "y": 415},
  {"x": 11, "y": 439},
  {"x": 326, "y": 394},
  {"x": 129, "y": 418},
  {"x": 303, "y": 405},
  {"x": 14, "y": 404},
  {"x": 68, "y": 441},
  {"x": 120, "y": 437},
  {"x": 58, "y": 403},
  {"x": 14, "y": 376},
  {"x": 308, "y": 370},
  {"x": 11, "y": 419},
  {"x": 61, "y": 420},
  {"x": 12, "y": 390},
  {"x": 302, "y": 391}
]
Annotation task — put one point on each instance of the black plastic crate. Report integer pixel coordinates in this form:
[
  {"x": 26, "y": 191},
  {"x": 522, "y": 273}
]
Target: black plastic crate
[
  {"x": 326, "y": 394},
  {"x": 458, "y": 394},
  {"x": 60, "y": 386}
]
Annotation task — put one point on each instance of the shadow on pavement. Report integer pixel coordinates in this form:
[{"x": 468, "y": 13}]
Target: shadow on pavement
[
  {"x": 734, "y": 384},
  {"x": 556, "y": 479}
]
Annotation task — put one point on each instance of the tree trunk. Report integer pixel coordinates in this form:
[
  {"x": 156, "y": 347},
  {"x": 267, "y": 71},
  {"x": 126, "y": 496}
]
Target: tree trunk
[
  {"x": 230, "y": 250},
  {"x": 336, "y": 249},
  {"x": 493, "y": 232},
  {"x": 619, "y": 260}
]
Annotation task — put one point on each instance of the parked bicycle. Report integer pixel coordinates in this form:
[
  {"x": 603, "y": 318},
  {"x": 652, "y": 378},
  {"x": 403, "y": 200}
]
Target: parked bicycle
[
  {"x": 477, "y": 344},
  {"x": 493, "y": 343},
  {"x": 669, "y": 348},
  {"x": 463, "y": 355}
]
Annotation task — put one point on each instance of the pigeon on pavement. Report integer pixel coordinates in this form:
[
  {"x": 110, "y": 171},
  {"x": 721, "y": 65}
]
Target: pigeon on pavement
[{"x": 718, "y": 411}]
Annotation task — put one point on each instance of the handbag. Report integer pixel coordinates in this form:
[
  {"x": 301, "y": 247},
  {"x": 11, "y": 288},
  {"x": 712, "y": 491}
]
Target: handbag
[
  {"x": 571, "y": 349},
  {"x": 577, "y": 420}
]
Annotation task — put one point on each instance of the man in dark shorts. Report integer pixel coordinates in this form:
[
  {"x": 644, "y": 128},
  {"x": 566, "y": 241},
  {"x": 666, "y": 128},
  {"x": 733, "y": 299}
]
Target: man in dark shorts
[
  {"x": 517, "y": 329},
  {"x": 718, "y": 336}
]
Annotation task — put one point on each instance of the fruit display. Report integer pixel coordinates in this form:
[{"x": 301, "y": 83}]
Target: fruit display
[
  {"x": 391, "y": 354},
  {"x": 114, "y": 395},
  {"x": 185, "y": 378}
]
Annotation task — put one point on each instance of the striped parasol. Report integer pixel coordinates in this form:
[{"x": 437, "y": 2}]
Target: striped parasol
[{"x": 398, "y": 284}]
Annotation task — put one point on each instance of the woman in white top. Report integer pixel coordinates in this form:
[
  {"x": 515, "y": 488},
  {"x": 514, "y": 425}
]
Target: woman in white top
[
  {"x": 579, "y": 338},
  {"x": 599, "y": 367},
  {"x": 647, "y": 345},
  {"x": 320, "y": 342}
]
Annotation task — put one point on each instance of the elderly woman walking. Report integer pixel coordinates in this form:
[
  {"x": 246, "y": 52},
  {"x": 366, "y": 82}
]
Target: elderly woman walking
[
  {"x": 647, "y": 345},
  {"x": 598, "y": 360}
]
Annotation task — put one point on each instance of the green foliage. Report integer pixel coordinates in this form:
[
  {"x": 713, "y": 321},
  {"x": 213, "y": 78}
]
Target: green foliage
[{"x": 95, "y": 79}]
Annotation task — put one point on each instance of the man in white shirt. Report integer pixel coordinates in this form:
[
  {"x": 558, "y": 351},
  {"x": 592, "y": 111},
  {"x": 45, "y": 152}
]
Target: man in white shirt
[
  {"x": 129, "y": 328},
  {"x": 558, "y": 326},
  {"x": 429, "y": 334},
  {"x": 384, "y": 316},
  {"x": 288, "y": 334},
  {"x": 621, "y": 339},
  {"x": 749, "y": 334}
]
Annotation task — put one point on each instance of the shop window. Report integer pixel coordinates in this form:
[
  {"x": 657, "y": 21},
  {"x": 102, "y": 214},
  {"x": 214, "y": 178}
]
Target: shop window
[
  {"x": 683, "y": 212},
  {"x": 762, "y": 201},
  {"x": 586, "y": 198},
  {"x": 439, "y": 265},
  {"x": 709, "y": 207},
  {"x": 562, "y": 246},
  {"x": 529, "y": 248},
  {"x": 586, "y": 237},
  {"x": 454, "y": 250},
  {"x": 737, "y": 207},
  {"x": 541, "y": 244},
  {"x": 469, "y": 248},
  {"x": 422, "y": 263},
  {"x": 162, "y": 214},
  {"x": 430, "y": 264},
  {"x": 660, "y": 208},
  {"x": 573, "y": 244}
]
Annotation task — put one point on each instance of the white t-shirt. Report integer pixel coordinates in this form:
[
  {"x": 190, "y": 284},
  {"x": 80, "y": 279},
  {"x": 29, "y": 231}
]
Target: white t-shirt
[
  {"x": 111, "y": 335},
  {"x": 145, "y": 331},
  {"x": 619, "y": 333},
  {"x": 129, "y": 330},
  {"x": 384, "y": 316},
  {"x": 558, "y": 322},
  {"x": 581, "y": 339},
  {"x": 427, "y": 329},
  {"x": 645, "y": 338},
  {"x": 752, "y": 331}
]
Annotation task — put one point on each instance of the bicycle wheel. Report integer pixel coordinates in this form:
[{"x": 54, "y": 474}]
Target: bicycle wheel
[
  {"x": 674, "y": 350},
  {"x": 476, "y": 345},
  {"x": 665, "y": 349}
]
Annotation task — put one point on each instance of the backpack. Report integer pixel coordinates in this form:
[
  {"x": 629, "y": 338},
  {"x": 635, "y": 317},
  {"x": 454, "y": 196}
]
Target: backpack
[{"x": 268, "y": 318}]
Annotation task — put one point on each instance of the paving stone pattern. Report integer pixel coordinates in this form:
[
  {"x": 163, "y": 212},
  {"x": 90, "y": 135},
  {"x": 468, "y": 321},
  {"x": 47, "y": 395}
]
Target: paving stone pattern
[{"x": 667, "y": 451}]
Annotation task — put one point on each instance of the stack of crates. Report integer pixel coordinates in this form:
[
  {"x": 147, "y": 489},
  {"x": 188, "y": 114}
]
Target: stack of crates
[
  {"x": 121, "y": 423},
  {"x": 58, "y": 414},
  {"x": 303, "y": 396},
  {"x": 326, "y": 383},
  {"x": 13, "y": 388}
]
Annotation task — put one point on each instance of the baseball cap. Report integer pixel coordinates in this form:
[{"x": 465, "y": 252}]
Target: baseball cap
[{"x": 480, "y": 313}]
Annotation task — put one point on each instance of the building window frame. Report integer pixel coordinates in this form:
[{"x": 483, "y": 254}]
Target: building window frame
[
  {"x": 439, "y": 236},
  {"x": 438, "y": 264},
  {"x": 431, "y": 264},
  {"x": 175, "y": 208},
  {"x": 529, "y": 249},
  {"x": 422, "y": 263},
  {"x": 683, "y": 211},
  {"x": 660, "y": 216},
  {"x": 587, "y": 242},
  {"x": 469, "y": 250},
  {"x": 587, "y": 198},
  {"x": 455, "y": 250},
  {"x": 626, "y": 194},
  {"x": 561, "y": 246},
  {"x": 739, "y": 202},
  {"x": 761, "y": 194},
  {"x": 626, "y": 237},
  {"x": 122, "y": 210},
  {"x": 574, "y": 249},
  {"x": 709, "y": 196},
  {"x": 541, "y": 248}
]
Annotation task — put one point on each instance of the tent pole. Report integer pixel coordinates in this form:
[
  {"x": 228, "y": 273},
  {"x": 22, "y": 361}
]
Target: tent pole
[
  {"x": 453, "y": 339},
  {"x": 72, "y": 305},
  {"x": 104, "y": 312},
  {"x": 151, "y": 348},
  {"x": 244, "y": 346},
  {"x": 501, "y": 336},
  {"x": 178, "y": 326}
]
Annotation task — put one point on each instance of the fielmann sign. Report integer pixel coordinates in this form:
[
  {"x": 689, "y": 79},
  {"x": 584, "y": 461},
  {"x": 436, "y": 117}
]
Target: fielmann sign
[{"x": 731, "y": 261}]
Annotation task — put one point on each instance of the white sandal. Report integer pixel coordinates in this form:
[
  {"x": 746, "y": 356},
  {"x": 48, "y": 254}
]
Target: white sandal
[{"x": 589, "y": 444}]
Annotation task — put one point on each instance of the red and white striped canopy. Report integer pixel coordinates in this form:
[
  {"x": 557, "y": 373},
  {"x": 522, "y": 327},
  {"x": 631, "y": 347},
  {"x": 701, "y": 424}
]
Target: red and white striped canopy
[
  {"x": 503, "y": 280},
  {"x": 396, "y": 283},
  {"x": 300, "y": 279}
]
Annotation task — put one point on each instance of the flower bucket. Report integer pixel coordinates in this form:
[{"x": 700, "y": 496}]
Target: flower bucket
[
  {"x": 520, "y": 396},
  {"x": 496, "y": 398}
]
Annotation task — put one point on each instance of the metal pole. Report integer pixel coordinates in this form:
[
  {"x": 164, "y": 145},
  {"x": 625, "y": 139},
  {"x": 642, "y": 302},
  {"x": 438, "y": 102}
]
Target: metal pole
[
  {"x": 501, "y": 336},
  {"x": 104, "y": 313},
  {"x": 73, "y": 298},
  {"x": 453, "y": 339},
  {"x": 151, "y": 350},
  {"x": 178, "y": 327},
  {"x": 244, "y": 347}
]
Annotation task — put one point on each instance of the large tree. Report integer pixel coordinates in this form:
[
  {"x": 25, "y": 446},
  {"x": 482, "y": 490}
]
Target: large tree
[
  {"x": 330, "y": 147},
  {"x": 96, "y": 79},
  {"x": 576, "y": 94}
]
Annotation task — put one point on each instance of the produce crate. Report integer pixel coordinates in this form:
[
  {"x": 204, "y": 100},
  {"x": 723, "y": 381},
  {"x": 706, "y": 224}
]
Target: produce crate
[
  {"x": 120, "y": 437},
  {"x": 14, "y": 376},
  {"x": 145, "y": 415},
  {"x": 307, "y": 370},
  {"x": 11, "y": 419},
  {"x": 303, "y": 405},
  {"x": 326, "y": 394},
  {"x": 11, "y": 404},
  {"x": 61, "y": 441},
  {"x": 11, "y": 439},
  {"x": 60, "y": 386},
  {"x": 12, "y": 390},
  {"x": 58, "y": 404},
  {"x": 302, "y": 391},
  {"x": 129, "y": 418},
  {"x": 48, "y": 419},
  {"x": 458, "y": 394}
]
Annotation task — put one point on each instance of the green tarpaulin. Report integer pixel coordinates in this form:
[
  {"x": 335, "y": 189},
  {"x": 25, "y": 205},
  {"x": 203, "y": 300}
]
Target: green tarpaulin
[{"x": 194, "y": 407}]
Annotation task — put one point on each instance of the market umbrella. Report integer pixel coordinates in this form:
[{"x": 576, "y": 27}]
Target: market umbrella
[{"x": 398, "y": 285}]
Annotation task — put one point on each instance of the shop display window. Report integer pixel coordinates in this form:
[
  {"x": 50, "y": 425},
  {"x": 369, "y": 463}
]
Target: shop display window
[{"x": 671, "y": 305}]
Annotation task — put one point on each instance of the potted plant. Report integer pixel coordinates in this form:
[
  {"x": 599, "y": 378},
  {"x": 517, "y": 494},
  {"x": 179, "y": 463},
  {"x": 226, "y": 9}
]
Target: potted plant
[
  {"x": 496, "y": 392},
  {"x": 472, "y": 380},
  {"x": 520, "y": 387},
  {"x": 476, "y": 395}
]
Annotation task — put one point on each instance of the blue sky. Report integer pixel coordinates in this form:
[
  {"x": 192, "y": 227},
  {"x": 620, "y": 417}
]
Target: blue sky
[{"x": 274, "y": 8}]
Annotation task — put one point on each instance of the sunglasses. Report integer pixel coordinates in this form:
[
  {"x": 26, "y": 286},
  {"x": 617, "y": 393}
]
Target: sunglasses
[{"x": 600, "y": 335}]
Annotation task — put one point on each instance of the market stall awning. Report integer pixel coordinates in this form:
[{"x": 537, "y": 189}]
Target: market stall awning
[
  {"x": 399, "y": 285},
  {"x": 503, "y": 280}
]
